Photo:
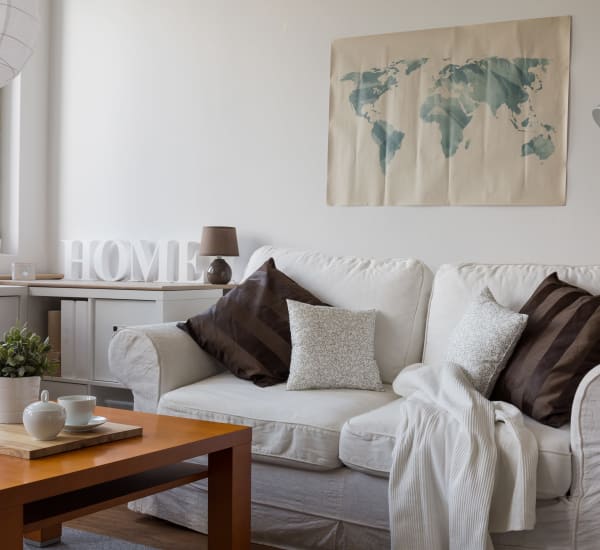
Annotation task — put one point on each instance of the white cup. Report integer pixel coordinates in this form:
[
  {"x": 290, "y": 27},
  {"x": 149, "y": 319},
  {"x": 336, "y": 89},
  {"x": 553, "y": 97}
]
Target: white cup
[{"x": 80, "y": 408}]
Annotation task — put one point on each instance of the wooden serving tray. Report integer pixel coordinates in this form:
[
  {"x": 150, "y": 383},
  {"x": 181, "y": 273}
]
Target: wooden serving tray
[{"x": 15, "y": 441}]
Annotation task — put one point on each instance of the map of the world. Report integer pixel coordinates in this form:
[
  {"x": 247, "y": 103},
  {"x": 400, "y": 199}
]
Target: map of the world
[
  {"x": 469, "y": 115},
  {"x": 457, "y": 93}
]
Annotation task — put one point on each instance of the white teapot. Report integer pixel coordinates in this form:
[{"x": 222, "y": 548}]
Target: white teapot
[{"x": 44, "y": 419}]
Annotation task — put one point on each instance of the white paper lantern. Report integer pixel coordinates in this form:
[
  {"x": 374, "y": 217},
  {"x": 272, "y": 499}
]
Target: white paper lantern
[
  {"x": 596, "y": 114},
  {"x": 18, "y": 31}
]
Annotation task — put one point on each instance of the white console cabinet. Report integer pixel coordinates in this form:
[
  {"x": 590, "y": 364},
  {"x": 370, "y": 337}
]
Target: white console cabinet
[{"x": 91, "y": 311}]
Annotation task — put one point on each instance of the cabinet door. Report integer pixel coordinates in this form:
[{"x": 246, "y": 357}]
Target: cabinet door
[
  {"x": 9, "y": 312},
  {"x": 117, "y": 313}
]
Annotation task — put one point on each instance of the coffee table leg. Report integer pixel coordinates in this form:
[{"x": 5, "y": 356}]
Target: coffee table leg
[
  {"x": 11, "y": 527},
  {"x": 229, "y": 499},
  {"x": 45, "y": 536}
]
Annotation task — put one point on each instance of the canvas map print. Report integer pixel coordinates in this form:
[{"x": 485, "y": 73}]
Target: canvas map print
[{"x": 473, "y": 115}]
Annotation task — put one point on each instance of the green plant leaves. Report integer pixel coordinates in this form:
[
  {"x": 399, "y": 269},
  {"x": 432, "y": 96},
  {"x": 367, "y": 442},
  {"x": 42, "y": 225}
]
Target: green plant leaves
[{"x": 24, "y": 353}]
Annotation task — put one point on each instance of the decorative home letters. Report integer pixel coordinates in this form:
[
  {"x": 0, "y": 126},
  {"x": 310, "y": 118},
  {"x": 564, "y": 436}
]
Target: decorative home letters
[{"x": 118, "y": 260}]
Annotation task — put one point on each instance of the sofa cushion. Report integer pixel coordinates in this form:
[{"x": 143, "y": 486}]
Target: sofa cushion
[
  {"x": 248, "y": 329},
  {"x": 300, "y": 429},
  {"x": 560, "y": 345},
  {"x": 397, "y": 289},
  {"x": 482, "y": 342},
  {"x": 367, "y": 442},
  {"x": 332, "y": 347},
  {"x": 511, "y": 285}
]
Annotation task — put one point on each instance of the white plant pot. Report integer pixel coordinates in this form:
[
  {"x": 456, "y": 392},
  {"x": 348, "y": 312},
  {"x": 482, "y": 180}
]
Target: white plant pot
[{"x": 15, "y": 395}]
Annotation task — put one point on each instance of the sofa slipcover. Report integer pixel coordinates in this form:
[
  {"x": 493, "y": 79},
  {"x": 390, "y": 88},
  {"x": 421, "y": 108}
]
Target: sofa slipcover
[
  {"x": 511, "y": 285},
  {"x": 295, "y": 428},
  {"x": 335, "y": 509},
  {"x": 397, "y": 289},
  {"x": 154, "y": 360},
  {"x": 367, "y": 441}
]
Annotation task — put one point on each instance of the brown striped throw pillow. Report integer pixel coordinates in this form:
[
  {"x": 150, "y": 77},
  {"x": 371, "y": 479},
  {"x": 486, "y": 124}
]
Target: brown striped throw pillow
[
  {"x": 560, "y": 344},
  {"x": 248, "y": 330}
]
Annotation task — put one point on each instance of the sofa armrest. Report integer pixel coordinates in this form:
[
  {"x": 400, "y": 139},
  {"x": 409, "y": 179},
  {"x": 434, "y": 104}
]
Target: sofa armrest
[
  {"x": 585, "y": 446},
  {"x": 154, "y": 359}
]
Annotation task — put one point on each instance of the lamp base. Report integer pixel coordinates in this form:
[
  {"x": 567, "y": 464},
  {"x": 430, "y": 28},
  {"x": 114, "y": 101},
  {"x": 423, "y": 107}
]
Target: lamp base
[{"x": 218, "y": 272}]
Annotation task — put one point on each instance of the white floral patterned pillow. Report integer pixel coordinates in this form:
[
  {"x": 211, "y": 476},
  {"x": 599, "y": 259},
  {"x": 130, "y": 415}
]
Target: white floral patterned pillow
[
  {"x": 484, "y": 340},
  {"x": 332, "y": 348}
]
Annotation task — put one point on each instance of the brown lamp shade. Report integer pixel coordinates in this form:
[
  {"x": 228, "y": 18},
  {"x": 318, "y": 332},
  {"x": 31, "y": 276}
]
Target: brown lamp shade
[{"x": 219, "y": 241}]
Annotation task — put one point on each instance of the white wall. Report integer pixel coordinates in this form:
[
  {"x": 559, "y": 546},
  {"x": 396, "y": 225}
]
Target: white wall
[
  {"x": 167, "y": 115},
  {"x": 23, "y": 201}
]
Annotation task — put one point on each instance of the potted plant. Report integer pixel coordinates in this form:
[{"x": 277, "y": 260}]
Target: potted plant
[{"x": 23, "y": 361}]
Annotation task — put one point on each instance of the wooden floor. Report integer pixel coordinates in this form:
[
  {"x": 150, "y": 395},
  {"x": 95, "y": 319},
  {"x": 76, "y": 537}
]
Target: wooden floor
[{"x": 122, "y": 523}]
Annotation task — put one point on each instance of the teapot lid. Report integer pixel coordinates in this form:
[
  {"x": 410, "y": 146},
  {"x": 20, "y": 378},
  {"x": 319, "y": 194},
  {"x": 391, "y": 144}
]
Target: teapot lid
[{"x": 44, "y": 406}]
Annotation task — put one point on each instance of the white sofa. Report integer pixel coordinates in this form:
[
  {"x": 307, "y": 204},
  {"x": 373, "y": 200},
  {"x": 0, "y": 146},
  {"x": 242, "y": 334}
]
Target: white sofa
[{"x": 321, "y": 457}]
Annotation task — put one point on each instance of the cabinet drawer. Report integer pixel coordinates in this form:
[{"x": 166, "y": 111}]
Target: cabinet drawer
[{"x": 111, "y": 313}]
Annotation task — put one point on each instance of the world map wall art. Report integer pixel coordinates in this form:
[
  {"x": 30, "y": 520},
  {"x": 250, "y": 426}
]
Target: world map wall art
[{"x": 471, "y": 115}]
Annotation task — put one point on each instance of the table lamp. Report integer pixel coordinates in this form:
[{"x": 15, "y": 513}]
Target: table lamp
[{"x": 218, "y": 241}]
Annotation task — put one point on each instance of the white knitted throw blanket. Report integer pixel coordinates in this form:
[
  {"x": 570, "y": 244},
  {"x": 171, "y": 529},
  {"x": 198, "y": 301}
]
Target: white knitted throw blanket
[{"x": 462, "y": 466}]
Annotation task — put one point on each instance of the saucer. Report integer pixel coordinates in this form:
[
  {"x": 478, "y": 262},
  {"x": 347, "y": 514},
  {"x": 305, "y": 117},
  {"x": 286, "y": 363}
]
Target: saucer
[{"x": 94, "y": 422}]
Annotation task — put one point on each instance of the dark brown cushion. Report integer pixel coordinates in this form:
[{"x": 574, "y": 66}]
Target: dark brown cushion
[
  {"x": 248, "y": 330},
  {"x": 560, "y": 344}
]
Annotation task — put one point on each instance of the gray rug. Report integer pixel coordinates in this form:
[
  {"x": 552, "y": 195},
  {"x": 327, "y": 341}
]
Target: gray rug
[{"x": 76, "y": 540}]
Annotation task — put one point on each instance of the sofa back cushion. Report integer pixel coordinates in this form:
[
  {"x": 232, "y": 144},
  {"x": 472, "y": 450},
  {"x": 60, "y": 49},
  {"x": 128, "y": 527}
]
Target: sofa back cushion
[
  {"x": 512, "y": 285},
  {"x": 397, "y": 289}
]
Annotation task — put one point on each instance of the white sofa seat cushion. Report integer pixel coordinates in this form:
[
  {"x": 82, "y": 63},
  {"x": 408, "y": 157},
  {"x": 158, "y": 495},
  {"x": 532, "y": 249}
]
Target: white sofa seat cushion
[
  {"x": 397, "y": 289},
  {"x": 300, "y": 429},
  {"x": 367, "y": 441}
]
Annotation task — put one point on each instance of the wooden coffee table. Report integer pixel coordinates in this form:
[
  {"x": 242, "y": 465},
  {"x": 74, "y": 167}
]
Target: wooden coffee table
[{"x": 37, "y": 496}]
